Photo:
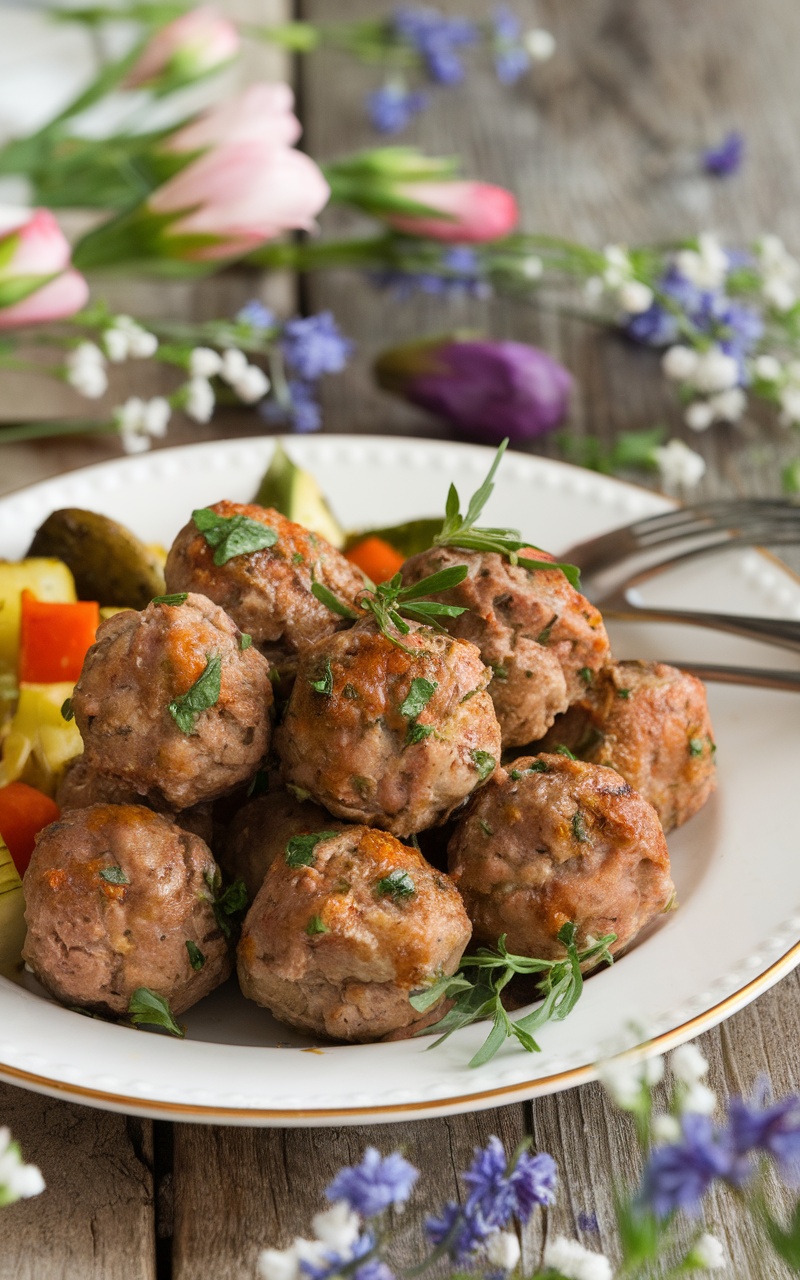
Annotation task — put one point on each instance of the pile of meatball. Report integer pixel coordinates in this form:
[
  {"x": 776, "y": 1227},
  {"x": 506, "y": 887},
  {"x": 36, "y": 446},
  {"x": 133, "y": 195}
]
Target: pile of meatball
[{"x": 309, "y": 751}]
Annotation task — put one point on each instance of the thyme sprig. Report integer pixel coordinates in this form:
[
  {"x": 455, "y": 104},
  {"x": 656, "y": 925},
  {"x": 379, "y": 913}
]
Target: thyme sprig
[
  {"x": 463, "y": 531},
  {"x": 477, "y": 988},
  {"x": 391, "y": 604}
]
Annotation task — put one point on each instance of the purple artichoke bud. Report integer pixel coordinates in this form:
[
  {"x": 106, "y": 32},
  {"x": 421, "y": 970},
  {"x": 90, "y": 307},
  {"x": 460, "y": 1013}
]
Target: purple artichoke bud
[{"x": 488, "y": 390}]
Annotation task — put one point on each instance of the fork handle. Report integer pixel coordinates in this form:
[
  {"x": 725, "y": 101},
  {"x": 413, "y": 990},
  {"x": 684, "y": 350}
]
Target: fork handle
[
  {"x": 780, "y": 631},
  {"x": 761, "y": 677}
]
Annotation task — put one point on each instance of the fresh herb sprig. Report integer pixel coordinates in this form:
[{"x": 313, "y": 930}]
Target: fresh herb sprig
[
  {"x": 477, "y": 988},
  {"x": 148, "y": 1008},
  {"x": 390, "y": 603},
  {"x": 463, "y": 531},
  {"x": 202, "y": 695}
]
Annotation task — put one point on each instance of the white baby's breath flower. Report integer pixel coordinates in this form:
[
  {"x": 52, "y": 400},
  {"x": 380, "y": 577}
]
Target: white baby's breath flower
[
  {"x": 665, "y": 1128},
  {"x": 252, "y": 385},
  {"x": 618, "y": 267},
  {"x": 531, "y": 267},
  {"x": 706, "y": 266},
  {"x": 779, "y": 293},
  {"x": 715, "y": 371},
  {"x": 18, "y": 1181},
  {"x": 503, "y": 1251},
  {"x": 593, "y": 289},
  {"x": 199, "y": 403},
  {"x": 679, "y": 363},
  {"x": 157, "y": 413},
  {"x": 278, "y": 1264},
  {"x": 540, "y": 44},
  {"x": 141, "y": 343},
  {"x": 116, "y": 344},
  {"x": 204, "y": 362},
  {"x": 635, "y": 297},
  {"x": 698, "y": 415},
  {"x": 652, "y": 1070},
  {"x": 234, "y": 363},
  {"x": 139, "y": 421},
  {"x": 688, "y": 1064},
  {"x": 699, "y": 1100},
  {"x": 338, "y": 1227},
  {"x": 789, "y": 399},
  {"x": 85, "y": 367},
  {"x": 707, "y": 1252},
  {"x": 623, "y": 1079},
  {"x": 728, "y": 406},
  {"x": 768, "y": 368},
  {"x": 570, "y": 1259}
]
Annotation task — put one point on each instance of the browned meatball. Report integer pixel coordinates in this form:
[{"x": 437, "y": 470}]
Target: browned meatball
[
  {"x": 393, "y": 737},
  {"x": 338, "y": 945},
  {"x": 267, "y": 592},
  {"x": 81, "y": 786},
  {"x": 141, "y": 724},
  {"x": 533, "y": 629},
  {"x": 554, "y": 840},
  {"x": 113, "y": 895},
  {"x": 650, "y": 722},
  {"x": 260, "y": 831}
]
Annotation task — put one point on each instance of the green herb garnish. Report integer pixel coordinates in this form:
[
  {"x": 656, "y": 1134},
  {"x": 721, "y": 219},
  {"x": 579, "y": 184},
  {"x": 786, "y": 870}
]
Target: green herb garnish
[
  {"x": 579, "y": 828},
  {"x": 298, "y": 558},
  {"x": 561, "y": 750},
  {"x": 300, "y": 849},
  {"x": 499, "y": 672},
  {"x": 623, "y": 693},
  {"x": 148, "y": 1008},
  {"x": 417, "y": 733},
  {"x": 232, "y": 535},
  {"x": 315, "y": 925},
  {"x": 333, "y": 602},
  {"x": 484, "y": 763},
  {"x": 397, "y": 885},
  {"x": 695, "y": 746},
  {"x": 114, "y": 875},
  {"x": 245, "y": 641},
  {"x": 390, "y": 603},
  {"x": 229, "y": 904},
  {"x": 587, "y": 675},
  {"x": 196, "y": 957},
  {"x": 485, "y": 828},
  {"x": 478, "y": 985},
  {"x": 544, "y": 636},
  {"x": 538, "y": 766},
  {"x": 350, "y": 691},
  {"x": 325, "y": 682},
  {"x": 462, "y": 531},
  {"x": 66, "y": 709},
  {"x": 203, "y": 694},
  {"x": 178, "y": 597},
  {"x": 418, "y": 697}
]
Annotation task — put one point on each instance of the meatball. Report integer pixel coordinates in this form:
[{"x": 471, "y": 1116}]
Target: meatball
[
  {"x": 344, "y": 930},
  {"x": 268, "y": 592},
  {"x": 392, "y": 736},
  {"x": 650, "y": 722},
  {"x": 116, "y": 898},
  {"x": 260, "y": 831},
  {"x": 536, "y": 632},
  {"x": 81, "y": 786},
  {"x": 554, "y": 840},
  {"x": 170, "y": 704}
]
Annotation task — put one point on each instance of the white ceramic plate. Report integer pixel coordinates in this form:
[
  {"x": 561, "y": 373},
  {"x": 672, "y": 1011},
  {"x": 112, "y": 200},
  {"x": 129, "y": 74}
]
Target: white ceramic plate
[{"x": 735, "y": 865}]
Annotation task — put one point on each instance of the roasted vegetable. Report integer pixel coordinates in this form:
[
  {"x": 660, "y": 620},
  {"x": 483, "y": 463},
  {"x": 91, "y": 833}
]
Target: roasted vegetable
[
  {"x": 12, "y": 914},
  {"x": 374, "y": 557},
  {"x": 54, "y": 639},
  {"x": 409, "y": 538},
  {"x": 24, "y": 812},
  {"x": 110, "y": 564},
  {"x": 47, "y": 579},
  {"x": 295, "y": 493},
  {"x": 40, "y": 742}
]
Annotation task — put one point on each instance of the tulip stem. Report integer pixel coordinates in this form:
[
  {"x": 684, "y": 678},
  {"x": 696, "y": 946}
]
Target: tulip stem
[{"x": 16, "y": 431}]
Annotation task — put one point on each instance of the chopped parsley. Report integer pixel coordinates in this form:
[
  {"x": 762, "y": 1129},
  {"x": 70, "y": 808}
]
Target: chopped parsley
[
  {"x": 230, "y": 903},
  {"x": 324, "y": 683},
  {"x": 500, "y": 672},
  {"x": 587, "y": 675},
  {"x": 178, "y": 597},
  {"x": 350, "y": 691},
  {"x": 538, "y": 766},
  {"x": 246, "y": 640},
  {"x": 397, "y": 885},
  {"x": 544, "y": 636},
  {"x": 203, "y": 694},
  {"x": 298, "y": 558},
  {"x": 114, "y": 875},
  {"x": 300, "y": 849},
  {"x": 561, "y": 750},
  {"x": 623, "y": 693},
  {"x": 417, "y": 733},
  {"x": 148, "y": 1008},
  {"x": 418, "y": 697},
  {"x": 485, "y": 828},
  {"x": 232, "y": 535},
  {"x": 484, "y": 762},
  {"x": 315, "y": 925},
  {"x": 196, "y": 957},
  {"x": 66, "y": 709},
  {"x": 695, "y": 747},
  {"x": 579, "y": 828}
]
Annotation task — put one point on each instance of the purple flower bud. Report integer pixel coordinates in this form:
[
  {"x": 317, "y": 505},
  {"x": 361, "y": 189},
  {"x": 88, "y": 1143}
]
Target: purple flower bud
[
  {"x": 487, "y": 390},
  {"x": 726, "y": 158}
]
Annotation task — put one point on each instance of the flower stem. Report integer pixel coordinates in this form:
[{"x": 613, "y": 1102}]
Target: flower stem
[{"x": 16, "y": 431}]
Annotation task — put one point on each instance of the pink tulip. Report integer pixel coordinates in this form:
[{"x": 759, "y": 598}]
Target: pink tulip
[
  {"x": 242, "y": 194},
  {"x": 475, "y": 211},
  {"x": 37, "y": 248},
  {"x": 192, "y": 45},
  {"x": 262, "y": 112}
]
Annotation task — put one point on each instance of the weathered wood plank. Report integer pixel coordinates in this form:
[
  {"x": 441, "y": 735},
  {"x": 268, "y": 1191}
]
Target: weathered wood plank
[{"x": 95, "y": 1219}]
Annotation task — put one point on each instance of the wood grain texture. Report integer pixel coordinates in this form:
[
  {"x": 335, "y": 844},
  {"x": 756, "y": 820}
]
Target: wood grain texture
[{"x": 95, "y": 1220}]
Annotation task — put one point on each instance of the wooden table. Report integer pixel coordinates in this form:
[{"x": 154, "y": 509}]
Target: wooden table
[{"x": 601, "y": 144}]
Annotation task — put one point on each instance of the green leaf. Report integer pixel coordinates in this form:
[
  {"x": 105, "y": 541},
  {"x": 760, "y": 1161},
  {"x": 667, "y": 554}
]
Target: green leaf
[
  {"x": 148, "y": 1008},
  {"x": 178, "y": 597},
  {"x": 66, "y": 709},
  {"x": 397, "y": 885},
  {"x": 484, "y": 762},
  {"x": 315, "y": 926},
  {"x": 196, "y": 957},
  {"x": 544, "y": 636},
  {"x": 579, "y": 828},
  {"x": 418, "y": 697},
  {"x": 232, "y": 535},
  {"x": 561, "y": 750},
  {"x": 417, "y": 733},
  {"x": 203, "y": 694},
  {"x": 229, "y": 904},
  {"x": 113, "y": 875},
  {"x": 538, "y": 766},
  {"x": 245, "y": 641},
  {"x": 332, "y": 602},
  {"x": 15, "y": 289},
  {"x": 300, "y": 849},
  {"x": 325, "y": 683},
  {"x": 695, "y": 747},
  {"x": 440, "y": 581}
]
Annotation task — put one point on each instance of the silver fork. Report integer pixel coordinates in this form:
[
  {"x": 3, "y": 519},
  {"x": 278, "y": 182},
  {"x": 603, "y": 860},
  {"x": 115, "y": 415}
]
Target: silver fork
[{"x": 610, "y": 579}]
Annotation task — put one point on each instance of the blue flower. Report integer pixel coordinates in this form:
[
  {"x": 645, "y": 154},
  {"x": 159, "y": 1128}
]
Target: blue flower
[
  {"x": 303, "y": 411},
  {"x": 726, "y": 158},
  {"x": 436, "y": 39},
  {"x": 677, "y": 1176},
  {"x": 256, "y": 315},
  {"x": 375, "y": 1269},
  {"x": 334, "y": 1262},
  {"x": 655, "y": 327},
  {"x": 392, "y": 108},
  {"x": 498, "y": 1194},
  {"x": 463, "y": 1232},
  {"x": 376, "y": 1184},
  {"x": 313, "y": 345},
  {"x": 772, "y": 1127},
  {"x": 511, "y": 59}
]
